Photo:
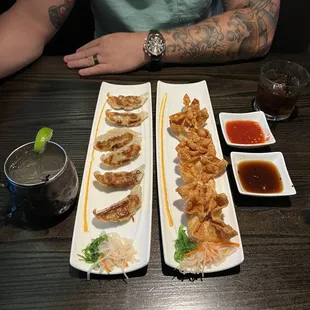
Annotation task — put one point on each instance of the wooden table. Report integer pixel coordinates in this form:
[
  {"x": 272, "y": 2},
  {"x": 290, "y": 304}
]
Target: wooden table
[{"x": 34, "y": 263}]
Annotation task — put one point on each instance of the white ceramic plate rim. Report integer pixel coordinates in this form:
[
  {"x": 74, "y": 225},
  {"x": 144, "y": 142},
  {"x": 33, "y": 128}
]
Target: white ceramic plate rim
[
  {"x": 139, "y": 230},
  {"x": 174, "y": 104},
  {"x": 290, "y": 189},
  {"x": 258, "y": 116}
]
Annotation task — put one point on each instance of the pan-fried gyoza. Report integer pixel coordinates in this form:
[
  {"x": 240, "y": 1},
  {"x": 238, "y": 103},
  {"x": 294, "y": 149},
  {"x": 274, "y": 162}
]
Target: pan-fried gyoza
[
  {"x": 120, "y": 179},
  {"x": 115, "y": 139},
  {"x": 126, "y": 119},
  {"x": 126, "y": 102},
  {"x": 123, "y": 210},
  {"x": 122, "y": 157}
]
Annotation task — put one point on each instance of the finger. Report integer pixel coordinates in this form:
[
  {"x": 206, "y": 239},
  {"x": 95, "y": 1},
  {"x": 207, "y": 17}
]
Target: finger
[
  {"x": 95, "y": 70},
  {"x": 83, "y": 54},
  {"x": 81, "y": 63},
  {"x": 90, "y": 44}
]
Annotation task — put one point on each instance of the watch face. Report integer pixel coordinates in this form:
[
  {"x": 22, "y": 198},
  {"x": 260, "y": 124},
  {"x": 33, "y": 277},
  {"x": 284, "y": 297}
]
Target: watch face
[{"x": 155, "y": 44}]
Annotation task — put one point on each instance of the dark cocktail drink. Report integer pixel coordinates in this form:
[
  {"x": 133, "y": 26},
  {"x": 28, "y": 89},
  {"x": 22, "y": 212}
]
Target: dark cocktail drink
[{"x": 279, "y": 87}]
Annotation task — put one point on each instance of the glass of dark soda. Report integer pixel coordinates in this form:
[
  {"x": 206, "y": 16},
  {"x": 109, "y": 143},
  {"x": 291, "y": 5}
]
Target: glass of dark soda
[{"x": 280, "y": 84}]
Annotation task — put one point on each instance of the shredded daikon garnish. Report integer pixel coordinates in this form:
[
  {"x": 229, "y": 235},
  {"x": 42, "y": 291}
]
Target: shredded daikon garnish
[
  {"x": 206, "y": 255},
  {"x": 113, "y": 251}
]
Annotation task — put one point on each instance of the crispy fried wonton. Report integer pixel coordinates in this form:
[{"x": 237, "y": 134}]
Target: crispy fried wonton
[
  {"x": 198, "y": 167},
  {"x": 211, "y": 229},
  {"x": 190, "y": 118}
]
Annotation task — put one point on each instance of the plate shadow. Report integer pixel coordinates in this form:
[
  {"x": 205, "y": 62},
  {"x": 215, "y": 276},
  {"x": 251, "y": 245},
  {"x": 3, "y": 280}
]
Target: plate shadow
[{"x": 75, "y": 273}]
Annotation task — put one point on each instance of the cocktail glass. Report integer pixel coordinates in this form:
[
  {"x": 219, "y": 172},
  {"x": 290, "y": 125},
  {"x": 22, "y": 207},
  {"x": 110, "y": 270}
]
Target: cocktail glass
[
  {"x": 280, "y": 84},
  {"x": 42, "y": 185}
]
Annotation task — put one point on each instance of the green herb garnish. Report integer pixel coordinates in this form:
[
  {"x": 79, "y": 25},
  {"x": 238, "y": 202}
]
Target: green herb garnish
[
  {"x": 182, "y": 245},
  {"x": 91, "y": 252}
]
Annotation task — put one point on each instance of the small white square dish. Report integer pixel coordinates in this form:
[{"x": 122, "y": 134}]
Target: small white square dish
[
  {"x": 246, "y": 130},
  {"x": 261, "y": 174}
]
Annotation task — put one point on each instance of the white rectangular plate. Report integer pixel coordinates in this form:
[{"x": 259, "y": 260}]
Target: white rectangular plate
[
  {"x": 92, "y": 196},
  {"x": 168, "y": 177}
]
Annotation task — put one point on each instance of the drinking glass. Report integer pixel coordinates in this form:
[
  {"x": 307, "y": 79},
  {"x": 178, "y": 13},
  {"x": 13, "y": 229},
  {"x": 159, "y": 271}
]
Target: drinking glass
[
  {"x": 280, "y": 84},
  {"x": 42, "y": 185}
]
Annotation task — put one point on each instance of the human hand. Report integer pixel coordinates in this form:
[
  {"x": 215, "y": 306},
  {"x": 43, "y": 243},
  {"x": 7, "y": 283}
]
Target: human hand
[{"x": 116, "y": 53}]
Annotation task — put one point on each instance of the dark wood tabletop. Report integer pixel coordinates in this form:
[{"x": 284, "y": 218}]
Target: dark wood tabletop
[{"x": 34, "y": 260}]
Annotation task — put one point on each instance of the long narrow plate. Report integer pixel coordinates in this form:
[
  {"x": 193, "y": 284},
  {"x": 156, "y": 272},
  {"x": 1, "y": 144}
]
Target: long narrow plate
[
  {"x": 170, "y": 101},
  {"x": 92, "y": 196}
]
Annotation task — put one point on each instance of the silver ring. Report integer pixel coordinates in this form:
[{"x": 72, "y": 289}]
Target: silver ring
[{"x": 96, "y": 61}]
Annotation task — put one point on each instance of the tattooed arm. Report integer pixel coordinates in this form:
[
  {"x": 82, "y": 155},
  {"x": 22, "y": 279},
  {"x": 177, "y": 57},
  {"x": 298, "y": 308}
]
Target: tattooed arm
[
  {"x": 26, "y": 28},
  {"x": 245, "y": 30}
]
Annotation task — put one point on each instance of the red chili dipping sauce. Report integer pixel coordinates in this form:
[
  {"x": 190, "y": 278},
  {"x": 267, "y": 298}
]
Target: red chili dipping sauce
[
  {"x": 260, "y": 177},
  {"x": 245, "y": 132}
]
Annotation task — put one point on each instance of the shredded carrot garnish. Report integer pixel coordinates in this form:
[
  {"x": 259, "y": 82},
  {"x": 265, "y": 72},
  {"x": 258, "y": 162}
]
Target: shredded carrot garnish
[
  {"x": 211, "y": 247},
  {"x": 199, "y": 249},
  {"x": 105, "y": 266}
]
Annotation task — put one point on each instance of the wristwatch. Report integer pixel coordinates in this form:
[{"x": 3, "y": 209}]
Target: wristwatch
[{"x": 154, "y": 46}]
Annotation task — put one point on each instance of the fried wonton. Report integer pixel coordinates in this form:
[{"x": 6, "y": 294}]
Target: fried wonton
[
  {"x": 206, "y": 204},
  {"x": 201, "y": 168},
  {"x": 211, "y": 229},
  {"x": 123, "y": 210},
  {"x": 120, "y": 179},
  {"x": 198, "y": 167},
  {"x": 126, "y": 119},
  {"x": 190, "y": 118},
  {"x": 198, "y": 142},
  {"x": 202, "y": 198},
  {"x": 126, "y": 102}
]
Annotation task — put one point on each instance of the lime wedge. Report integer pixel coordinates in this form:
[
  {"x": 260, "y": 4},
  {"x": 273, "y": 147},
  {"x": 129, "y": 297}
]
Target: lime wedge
[{"x": 43, "y": 136}]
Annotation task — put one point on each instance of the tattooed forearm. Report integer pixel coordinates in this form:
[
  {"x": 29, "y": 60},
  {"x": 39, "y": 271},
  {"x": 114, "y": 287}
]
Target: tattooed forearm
[
  {"x": 230, "y": 36},
  {"x": 194, "y": 42},
  {"x": 243, "y": 32},
  {"x": 267, "y": 14},
  {"x": 58, "y": 14}
]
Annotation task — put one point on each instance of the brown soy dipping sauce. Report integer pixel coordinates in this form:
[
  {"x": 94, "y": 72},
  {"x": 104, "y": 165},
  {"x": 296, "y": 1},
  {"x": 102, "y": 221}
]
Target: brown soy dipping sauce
[{"x": 260, "y": 176}]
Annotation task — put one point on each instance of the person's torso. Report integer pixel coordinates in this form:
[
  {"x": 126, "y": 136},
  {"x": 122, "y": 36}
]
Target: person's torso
[{"x": 143, "y": 15}]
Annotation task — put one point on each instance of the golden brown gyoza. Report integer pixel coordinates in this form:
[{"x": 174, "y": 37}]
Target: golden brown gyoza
[
  {"x": 123, "y": 210},
  {"x": 211, "y": 229},
  {"x": 126, "y": 102},
  {"x": 120, "y": 179},
  {"x": 122, "y": 157},
  {"x": 126, "y": 119},
  {"x": 115, "y": 139}
]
